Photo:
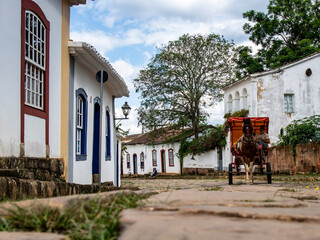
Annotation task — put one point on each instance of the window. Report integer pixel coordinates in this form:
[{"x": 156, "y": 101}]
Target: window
[
  {"x": 154, "y": 157},
  {"x": 128, "y": 161},
  {"x": 244, "y": 99},
  {"x": 79, "y": 122},
  {"x": 237, "y": 101},
  {"x": 142, "y": 160},
  {"x": 288, "y": 103},
  {"x": 35, "y": 53},
  {"x": 230, "y": 103},
  {"x": 35, "y": 36},
  {"x": 108, "y": 136},
  {"x": 171, "y": 157},
  {"x": 81, "y": 125}
]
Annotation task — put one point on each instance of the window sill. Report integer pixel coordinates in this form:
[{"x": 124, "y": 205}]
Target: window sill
[{"x": 81, "y": 157}]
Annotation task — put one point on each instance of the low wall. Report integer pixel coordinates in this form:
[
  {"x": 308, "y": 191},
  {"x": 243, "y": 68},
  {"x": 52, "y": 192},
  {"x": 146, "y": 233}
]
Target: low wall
[
  {"x": 198, "y": 171},
  {"x": 307, "y": 158},
  {"x": 16, "y": 189}
]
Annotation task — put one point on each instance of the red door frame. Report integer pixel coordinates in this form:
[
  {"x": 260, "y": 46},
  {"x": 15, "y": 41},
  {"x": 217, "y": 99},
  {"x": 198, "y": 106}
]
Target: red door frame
[{"x": 163, "y": 160}]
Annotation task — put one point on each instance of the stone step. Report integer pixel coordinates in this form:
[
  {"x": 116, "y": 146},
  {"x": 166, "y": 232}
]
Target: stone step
[
  {"x": 38, "y": 174},
  {"x": 42, "y": 168},
  {"x": 17, "y": 188}
]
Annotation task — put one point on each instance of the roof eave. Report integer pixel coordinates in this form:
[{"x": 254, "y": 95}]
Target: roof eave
[{"x": 97, "y": 62}]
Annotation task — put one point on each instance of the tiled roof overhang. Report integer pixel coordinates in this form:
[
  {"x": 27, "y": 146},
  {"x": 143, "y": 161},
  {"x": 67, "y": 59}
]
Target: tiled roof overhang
[{"x": 90, "y": 57}]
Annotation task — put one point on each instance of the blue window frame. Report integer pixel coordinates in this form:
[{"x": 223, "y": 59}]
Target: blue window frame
[
  {"x": 81, "y": 124},
  {"x": 108, "y": 136}
]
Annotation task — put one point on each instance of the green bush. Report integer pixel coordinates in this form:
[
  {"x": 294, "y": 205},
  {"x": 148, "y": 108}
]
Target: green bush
[
  {"x": 301, "y": 131},
  {"x": 209, "y": 140}
]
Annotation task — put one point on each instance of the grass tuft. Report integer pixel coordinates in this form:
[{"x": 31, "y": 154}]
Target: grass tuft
[
  {"x": 96, "y": 218},
  {"x": 217, "y": 188}
]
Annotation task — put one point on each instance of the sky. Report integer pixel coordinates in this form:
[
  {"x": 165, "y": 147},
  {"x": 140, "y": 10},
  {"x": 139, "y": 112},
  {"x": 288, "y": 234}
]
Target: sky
[{"x": 127, "y": 32}]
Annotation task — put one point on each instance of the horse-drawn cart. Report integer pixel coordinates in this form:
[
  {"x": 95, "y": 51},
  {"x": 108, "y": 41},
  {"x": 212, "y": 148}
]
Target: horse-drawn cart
[{"x": 236, "y": 125}]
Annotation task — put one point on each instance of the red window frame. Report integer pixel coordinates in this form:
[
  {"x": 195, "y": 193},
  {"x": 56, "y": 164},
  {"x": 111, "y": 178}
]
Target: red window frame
[
  {"x": 25, "y": 109},
  {"x": 154, "y": 160},
  {"x": 171, "y": 150}
]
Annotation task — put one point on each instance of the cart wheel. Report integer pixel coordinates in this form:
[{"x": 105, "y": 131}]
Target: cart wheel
[
  {"x": 269, "y": 173},
  {"x": 230, "y": 174}
]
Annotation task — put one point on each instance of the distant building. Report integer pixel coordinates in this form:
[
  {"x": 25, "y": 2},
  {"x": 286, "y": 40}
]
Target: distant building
[
  {"x": 143, "y": 154},
  {"x": 283, "y": 94}
]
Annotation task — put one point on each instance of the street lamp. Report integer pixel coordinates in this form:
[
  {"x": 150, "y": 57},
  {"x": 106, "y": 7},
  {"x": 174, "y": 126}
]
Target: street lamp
[{"x": 125, "y": 110}]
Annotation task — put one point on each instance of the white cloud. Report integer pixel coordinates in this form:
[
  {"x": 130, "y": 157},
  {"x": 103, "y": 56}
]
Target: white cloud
[
  {"x": 99, "y": 39},
  {"x": 127, "y": 71},
  {"x": 216, "y": 114}
]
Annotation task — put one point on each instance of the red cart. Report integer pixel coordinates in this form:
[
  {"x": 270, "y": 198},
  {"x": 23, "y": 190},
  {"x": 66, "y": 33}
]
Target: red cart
[{"x": 235, "y": 124}]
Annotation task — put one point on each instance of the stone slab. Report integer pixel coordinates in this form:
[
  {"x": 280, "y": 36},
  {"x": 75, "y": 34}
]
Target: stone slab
[
  {"x": 200, "y": 210},
  {"x": 30, "y": 236}
]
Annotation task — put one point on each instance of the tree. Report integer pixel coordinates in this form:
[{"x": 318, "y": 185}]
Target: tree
[
  {"x": 183, "y": 79},
  {"x": 246, "y": 62},
  {"x": 289, "y": 31}
]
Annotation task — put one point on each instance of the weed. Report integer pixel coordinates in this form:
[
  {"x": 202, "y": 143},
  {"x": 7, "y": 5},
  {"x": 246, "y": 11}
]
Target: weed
[
  {"x": 269, "y": 200},
  {"x": 217, "y": 188},
  {"x": 289, "y": 190},
  {"x": 96, "y": 218}
]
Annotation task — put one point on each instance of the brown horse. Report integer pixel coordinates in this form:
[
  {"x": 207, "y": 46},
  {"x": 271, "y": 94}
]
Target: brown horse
[{"x": 247, "y": 148}]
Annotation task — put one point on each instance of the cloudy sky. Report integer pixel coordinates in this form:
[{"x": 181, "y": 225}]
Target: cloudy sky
[{"x": 126, "y": 33}]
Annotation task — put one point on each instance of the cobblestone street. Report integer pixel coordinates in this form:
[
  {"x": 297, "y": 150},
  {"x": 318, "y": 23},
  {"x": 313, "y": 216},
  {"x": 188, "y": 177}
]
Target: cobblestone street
[{"x": 212, "y": 209}]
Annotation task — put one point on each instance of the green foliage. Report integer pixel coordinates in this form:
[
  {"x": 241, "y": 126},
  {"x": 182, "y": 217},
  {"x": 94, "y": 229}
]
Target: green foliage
[
  {"x": 85, "y": 219},
  {"x": 287, "y": 32},
  {"x": 301, "y": 131},
  {"x": 183, "y": 79},
  {"x": 240, "y": 113},
  {"x": 247, "y": 63},
  {"x": 209, "y": 140}
]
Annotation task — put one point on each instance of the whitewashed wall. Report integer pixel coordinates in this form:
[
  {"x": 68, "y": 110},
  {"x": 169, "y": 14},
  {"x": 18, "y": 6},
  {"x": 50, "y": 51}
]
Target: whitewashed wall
[
  {"x": 267, "y": 91},
  {"x": 82, "y": 170},
  {"x": 208, "y": 159},
  {"x": 10, "y": 12},
  {"x": 10, "y": 77},
  {"x": 147, "y": 150},
  {"x": 292, "y": 80}
]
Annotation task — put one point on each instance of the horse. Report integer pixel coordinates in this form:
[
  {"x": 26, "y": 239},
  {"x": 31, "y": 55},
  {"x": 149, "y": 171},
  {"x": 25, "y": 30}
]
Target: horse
[{"x": 247, "y": 148}]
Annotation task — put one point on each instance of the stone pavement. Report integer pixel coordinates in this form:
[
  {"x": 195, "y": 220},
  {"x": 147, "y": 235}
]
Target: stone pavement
[{"x": 209, "y": 209}]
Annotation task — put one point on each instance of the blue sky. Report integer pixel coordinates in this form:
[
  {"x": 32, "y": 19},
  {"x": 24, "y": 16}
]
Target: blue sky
[{"x": 126, "y": 32}]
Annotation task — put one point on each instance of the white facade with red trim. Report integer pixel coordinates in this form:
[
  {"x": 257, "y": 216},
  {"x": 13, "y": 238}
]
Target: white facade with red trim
[
  {"x": 161, "y": 163},
  {"x": 26, "y": 130}
]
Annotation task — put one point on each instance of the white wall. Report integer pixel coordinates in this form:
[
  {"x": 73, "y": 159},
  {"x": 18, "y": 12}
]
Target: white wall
[
  {"x": 208, "y": 159},
  {"x": 292, "y": 80},
  {"x": 10, "y": 17},
  {"x": 82, "y": 170},
  {"x": 266, "y": 94},
  {"x": 10, "y": 75},
  {"x": 246, "y": 84}
]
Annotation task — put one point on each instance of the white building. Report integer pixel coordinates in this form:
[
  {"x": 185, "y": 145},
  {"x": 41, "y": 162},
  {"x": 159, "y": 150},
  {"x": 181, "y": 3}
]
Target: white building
[
  {"x": 85, "y": 109},
  {"x": 283, "y": 94},
  {"x": 40, "y": 84},
  {"x": 142, "y": 157}
]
